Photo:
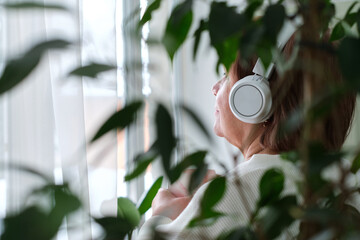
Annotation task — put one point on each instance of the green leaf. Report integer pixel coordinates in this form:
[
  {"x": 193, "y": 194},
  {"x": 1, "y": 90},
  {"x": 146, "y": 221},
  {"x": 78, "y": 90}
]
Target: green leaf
[
  {"x": 166, "y": 141},
  {"x": 34, "y": 5},
  {"x": 120, "y": 119},
  {"x": 351, "y": 8},
  {"x": 320, "y": 158},
  {"x": 178, "y": 27},
  {"x": 273, "y": 21},
  {"x": 37, "y": 223},
  {"x": 264, "y": 52},
  {"x": 355, "y": 164},
  {"x": 202, "y": 27},
  {"x": 277, "y": 217},
  {"x": 18, "y": 69},
  {"x": 224, "y": 22},
  {"x": 242, "y": 233},
  {"x": 358, "y": 21},
  {"x": 147, "y": 201},
  {"x": 227, "y": 51},
  {"x": 47, "y": 45},
  {"x": 338, "y": 32},
  {"x": 250, "y": 40},
  {"x": 346, "y": 216},
  {"x": 32, "y": 221},
  {"x": 115, "y": 228},
  {"x": 349, "y": 57},
  {"x": 142, "y": 162},
  {"x": 323, "y": 105},
  {"x": 353, "y": 214},
  {"x": 292, "y": 123},
  {"x": 252, "y": 7},
  {"x": 349, "y": 14},
  {"x": 317, "y": 182},
  {"x": 92, "y": 70},
  {"x": 194, "y": 159},
  {"x": 140, "y": 168},
  {"x": 213, "y": 194},
  {"x": 205, "y": 220},
  {"x": 196, "y": 119},
  {"x": 128, "y": 211},
  {"x": 225, "y": 28},
  {"x": 292, "y": 156},
  {"x": 327, "y": 13},
  {"x": 65, "y": 201},
  {"x": 197, "y": 177},
  {"x": 321, "y": 215},
  {"x": 271, "y": 186},
  {"x": 148, "y": 12},
  {"x": 351, "y": 19},
  {"x": 30, "y": 170}
]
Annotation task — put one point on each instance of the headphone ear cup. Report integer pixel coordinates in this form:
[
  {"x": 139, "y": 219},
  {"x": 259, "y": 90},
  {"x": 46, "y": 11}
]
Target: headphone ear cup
[{"x": 250, "y": 99}]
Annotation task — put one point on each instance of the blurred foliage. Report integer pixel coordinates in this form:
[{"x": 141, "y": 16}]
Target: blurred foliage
[
  {"x": 33, "y": 5},
  {"x": 325, "y": 213},
  {"x": 213, "y": 194},
  {"x": 195, "y": 118},
  {"x": 242, "y": 233},
  {"x": 271, "y": 185},
  {"x": 128, "y": 211},
  {"x": 119, "y": 120},
  {"x": 16, "y": 70},
  {"x": 92, "y": 70},
  {"x": 355, "y": 164},
  {"x": 277, "y": 217},
  {"x": 37, "y": 222},
  {"x": 178, "y": 27},
  {"x": 146, "y": 202},
  {"x": 148, "y": 13},
  {"x": 115, "y": 227}
]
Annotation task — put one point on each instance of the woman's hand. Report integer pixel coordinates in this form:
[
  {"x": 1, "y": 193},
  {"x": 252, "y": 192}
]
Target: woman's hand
[
  {"x": 171, "y": 202},
  {"x": 167, "y": 204},
  {"x": 180, "y": 187}
]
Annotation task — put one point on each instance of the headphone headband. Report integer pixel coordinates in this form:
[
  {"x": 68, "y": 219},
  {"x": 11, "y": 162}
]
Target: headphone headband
[
  {"x": 286, "y": 32},
  {"x": 250, "y": 98}
]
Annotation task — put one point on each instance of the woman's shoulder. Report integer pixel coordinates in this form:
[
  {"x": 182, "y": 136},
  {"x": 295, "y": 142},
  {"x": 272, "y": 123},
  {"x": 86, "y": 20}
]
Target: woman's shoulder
[
  {"x": 237, "y": 203},
  {"x": 260, "y": 163},
  {"x": 249, "y": 173}
]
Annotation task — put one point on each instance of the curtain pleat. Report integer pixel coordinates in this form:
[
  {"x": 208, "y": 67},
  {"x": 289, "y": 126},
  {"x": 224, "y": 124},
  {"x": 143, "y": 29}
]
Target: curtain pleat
[
  {"x": 48, "y": 120},
  {"x": 29, "y": 114}
]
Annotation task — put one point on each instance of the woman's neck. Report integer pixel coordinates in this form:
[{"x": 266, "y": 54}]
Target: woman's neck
[
  {"x": 251, "y": 152},
  {"x": 255, "y": 147}
]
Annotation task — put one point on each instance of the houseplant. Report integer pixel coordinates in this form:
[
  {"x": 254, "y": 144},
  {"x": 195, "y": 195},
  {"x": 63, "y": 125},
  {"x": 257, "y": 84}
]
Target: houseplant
[{"x": 251, "y": 35}]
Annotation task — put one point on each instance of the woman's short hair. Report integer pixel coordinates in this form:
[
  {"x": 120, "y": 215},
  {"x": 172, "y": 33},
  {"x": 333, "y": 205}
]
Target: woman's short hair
[{"x": 288, "y": 92}]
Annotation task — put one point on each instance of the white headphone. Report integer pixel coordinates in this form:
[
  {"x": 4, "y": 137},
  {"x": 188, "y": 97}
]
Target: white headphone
[{"x": 250, "y": 98}]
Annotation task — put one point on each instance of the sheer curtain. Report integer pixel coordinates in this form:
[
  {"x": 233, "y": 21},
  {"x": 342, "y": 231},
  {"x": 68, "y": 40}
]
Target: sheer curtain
[{"x": 48, "y": 120}]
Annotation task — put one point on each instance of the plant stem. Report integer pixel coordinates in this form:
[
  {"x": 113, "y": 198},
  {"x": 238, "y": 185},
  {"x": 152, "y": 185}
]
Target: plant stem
[{"x": 313, "y": 131}]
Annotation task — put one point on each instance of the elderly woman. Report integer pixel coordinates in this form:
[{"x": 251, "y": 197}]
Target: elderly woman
[{"x": 260, "y": 144}]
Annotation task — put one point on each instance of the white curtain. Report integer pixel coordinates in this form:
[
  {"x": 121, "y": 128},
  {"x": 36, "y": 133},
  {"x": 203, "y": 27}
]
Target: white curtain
[{"x": 47, "y": 121}]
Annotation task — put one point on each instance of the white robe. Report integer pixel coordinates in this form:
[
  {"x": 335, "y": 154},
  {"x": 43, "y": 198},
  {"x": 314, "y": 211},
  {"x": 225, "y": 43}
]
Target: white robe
[{"x": 237, "y": 203}]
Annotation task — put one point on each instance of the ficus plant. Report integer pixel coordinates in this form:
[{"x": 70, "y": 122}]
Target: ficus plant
[{"x": 323, "y": 212}]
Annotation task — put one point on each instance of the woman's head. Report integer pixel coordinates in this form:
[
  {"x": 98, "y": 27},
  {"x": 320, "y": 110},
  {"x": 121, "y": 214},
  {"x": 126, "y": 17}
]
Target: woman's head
[
  {"x": 226, "y": 125},
  {"x": 287, "y": 94}
]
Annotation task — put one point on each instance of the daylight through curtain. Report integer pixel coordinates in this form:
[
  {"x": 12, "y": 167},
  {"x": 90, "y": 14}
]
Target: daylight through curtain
[{"x": 48, "y": 120}]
